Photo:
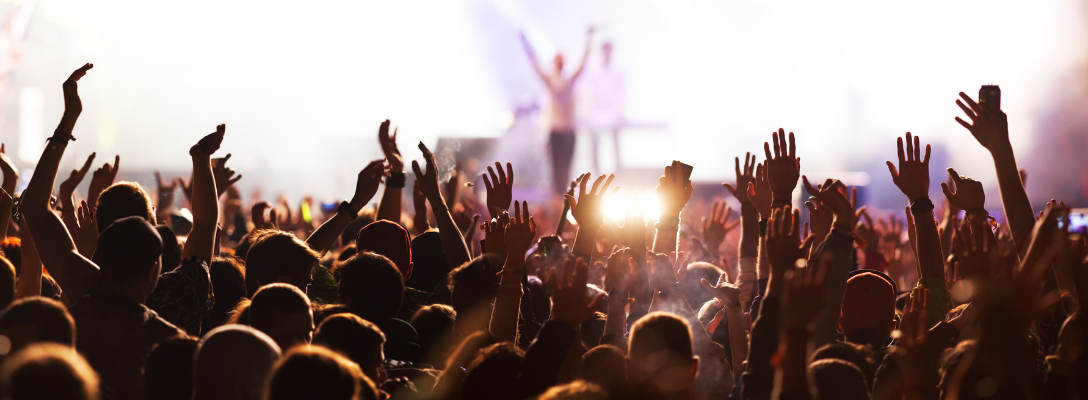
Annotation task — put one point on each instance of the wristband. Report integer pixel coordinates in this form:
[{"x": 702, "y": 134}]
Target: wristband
[
  {"x": 975, "y": 210},
  {"x": 60, "y": 138},
  {"x": 668, "y": 224},
  {"x": 346, "y": 209},
  {"x": 921, "y": 206},
  {"x": 395, "y": 180},
  {"x": 619, "y": 294}
]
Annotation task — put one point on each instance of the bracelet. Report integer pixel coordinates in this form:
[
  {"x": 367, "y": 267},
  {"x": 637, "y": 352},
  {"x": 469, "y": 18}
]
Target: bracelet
[
  {"x": 395, "y": 180},
  {"x": 62, "y": 139},
  {"x": 346, "y": 209},
  {"x": 668, "y": 224},
  {"x": 975, "y": 210},
  {"x": 921, "y": 206},
  {"x": 619, "y": 294}
]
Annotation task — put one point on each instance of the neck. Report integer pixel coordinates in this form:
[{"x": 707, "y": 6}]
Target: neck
[{"x": 128, "y": 290}]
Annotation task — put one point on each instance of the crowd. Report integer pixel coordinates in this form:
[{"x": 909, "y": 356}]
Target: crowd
[{"x": 121, "y": 297}]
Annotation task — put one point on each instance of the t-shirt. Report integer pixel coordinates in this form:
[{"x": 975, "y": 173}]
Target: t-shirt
[
  {"x": 184, "y": 296},
  {"x": 116, "y": 335}
]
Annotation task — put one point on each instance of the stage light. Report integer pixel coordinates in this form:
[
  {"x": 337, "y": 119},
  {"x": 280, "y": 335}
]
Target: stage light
[{"x": 617, "y": 207}]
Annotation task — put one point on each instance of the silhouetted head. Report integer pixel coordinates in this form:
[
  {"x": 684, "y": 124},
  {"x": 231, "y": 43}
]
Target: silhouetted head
[
  {"x": 493, "y": 374},
  {"x": 123, "y": 199},
  {"x": 839, "y": 379},
  {"x": 660, "y": 359},
  {"x": 34, "y": 320},
  {"x": 868, "y": 309},
  {"x": 11, "y": 248},
  {"x": 318, "y": 373},
  {"x": 604, "y": 365},
  {"x": 232, "y": 363},
  {"x": 428, "y": 262},
  {"x": 229, "y": 286},
  {"x": 471, "y": 284},
  {"x": 435, "y": 326},
  {"x": 283, "y": 313},
  {"x": 371, "y": 286},
  {"x": 855, "y": 354},
  {"x": 168, "y": 373},
  {"x": 278, "y": 256},
  {"x": 357, "y": 339},
  {"x": 48, "y": 371},
  {"x": 390, "y": 240},
  {"x": 129, "y": 255}
]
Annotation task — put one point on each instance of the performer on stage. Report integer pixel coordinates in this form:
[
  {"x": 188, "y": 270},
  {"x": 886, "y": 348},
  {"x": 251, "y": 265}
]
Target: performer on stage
[
  {"x": 560, "y": 111},
  {"x": 607, "y": 88}
]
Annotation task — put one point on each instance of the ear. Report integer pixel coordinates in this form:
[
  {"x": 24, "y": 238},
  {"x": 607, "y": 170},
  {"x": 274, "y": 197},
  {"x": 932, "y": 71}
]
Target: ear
[{"x": 408, "y": 273}]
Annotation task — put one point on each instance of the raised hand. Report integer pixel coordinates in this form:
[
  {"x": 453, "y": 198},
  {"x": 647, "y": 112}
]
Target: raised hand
[
  {"x": 912, "y": 177},
  {"x": 723, "y": 291},
  {"x": 831, "y": 194},
  {"x": 165, "y": 191},
  {"x": 499, "y": 188},
  {"x": 759, "y": 192},
  {"x": 620, "y": 271},
  {"x": 974, "y": 249},
  {"x": 588, "y": 209},
  {"x": 389, "y": 147},
  {"x": 102, "y": 178},
  {"x": 571, "y": 303},
  {"x": 86, "y": 232},
  {"x": 11, "y": 174},
  {"x": 68, "y": 187},
  {"x": 744, "y": 178},
  {"x": 968, "y": 195},
  {"x": 419, "y": 202},
  {"x": 495, "y": 238},
  {"x": 989, "y": 126},
  {"x": 715, "y": 228},
  {"x": 784, "y": 246},
  {"x": 428, "y": 177},
  {"x": 367, "y": 184},
  {"x": 673, "y": 191},
  {"x": 633, "y": 232},
  {"x": 520, "y": 232},
  {"x": 72, "y": 104},
  {"x": 783, "y": 169},
  {"x": 223, "y": 175},
  {"x": 260, "y": 221},
  {"x": 210, "y": 143},
  {"x": 820, "y": 218},
  {"x": 804, "y": 297}
]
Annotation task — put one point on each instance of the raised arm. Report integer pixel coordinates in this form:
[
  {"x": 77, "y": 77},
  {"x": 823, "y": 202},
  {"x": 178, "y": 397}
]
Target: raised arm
[
  {"x": 588, "y": 211},
  {"x": 201, "y": 242},
  {"x": 453, "y": 244},
  {"x": 11, "y": 174},
  {"x": 673, "y": 193},
  {"x": 532, "y": 57},
  {"x": 101, "y": 179},
  {"x": 749, "y": 228},
  {"x": 585, "y": 56},
  {"x": 519, "y": 235},
  {"x": 73, "y": 272},
  {"x": 66, "y": 193},
  {"x": 499, "y": 188},
  {"x": 802, "y": 303},
  {"x": 325, "y": 235},
  {"x": 389, "y": 208},
  {"x": 30, "y": 279},
  {"x": 990, "y": 126},
  {"x": 912, "y": 178}
]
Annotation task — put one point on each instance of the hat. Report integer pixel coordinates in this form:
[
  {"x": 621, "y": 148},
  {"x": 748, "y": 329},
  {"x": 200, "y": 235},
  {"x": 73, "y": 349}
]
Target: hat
[
  {"x": 127, "y": 248},
  {"x": 869, "y": 303},
  {"x": 390, "y": 240}
]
